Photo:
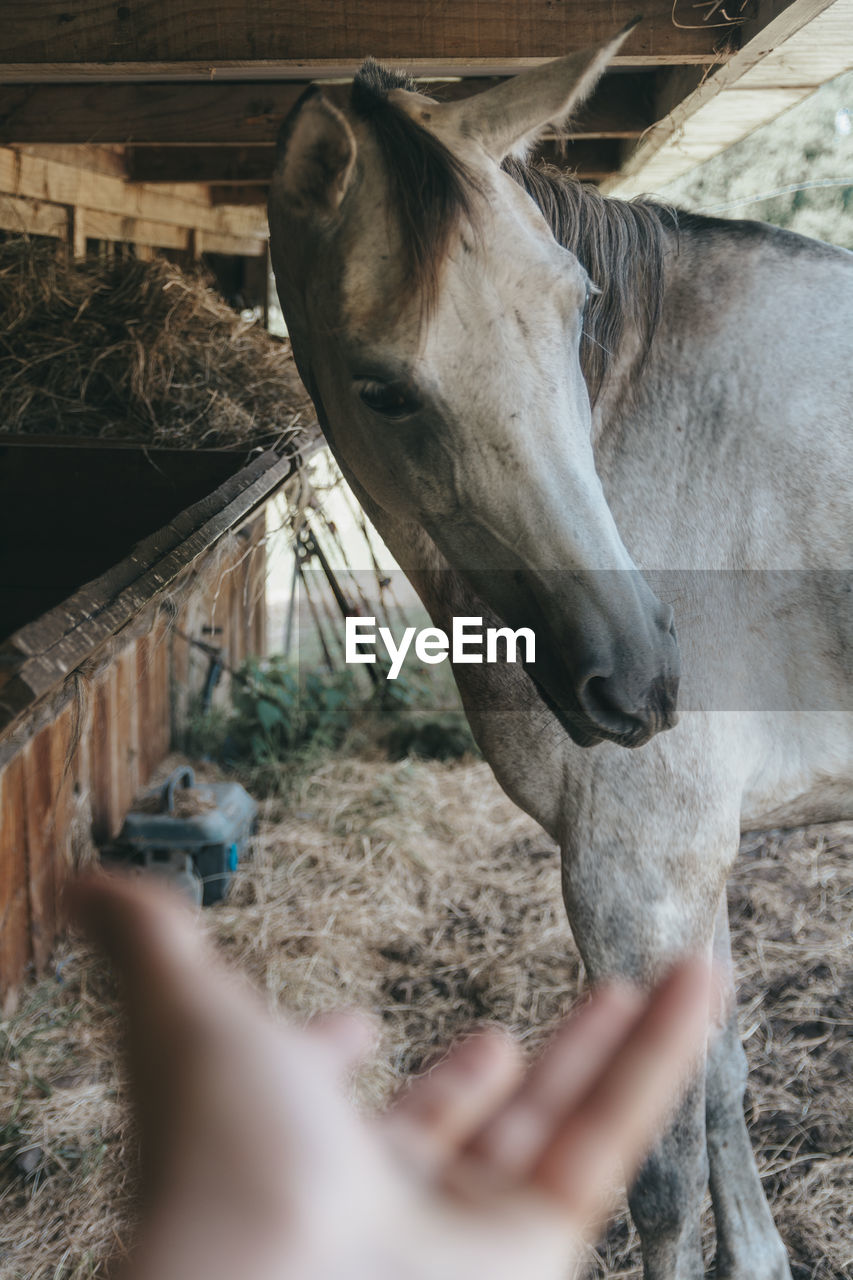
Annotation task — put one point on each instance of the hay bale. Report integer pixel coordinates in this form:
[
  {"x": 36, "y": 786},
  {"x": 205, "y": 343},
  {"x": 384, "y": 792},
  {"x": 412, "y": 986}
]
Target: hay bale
[{"x": 137, "y": 351}]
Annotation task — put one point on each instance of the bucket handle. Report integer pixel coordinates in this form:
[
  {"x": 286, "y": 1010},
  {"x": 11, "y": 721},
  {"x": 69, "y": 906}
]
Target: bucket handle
[{"x": 183, "y": 777}]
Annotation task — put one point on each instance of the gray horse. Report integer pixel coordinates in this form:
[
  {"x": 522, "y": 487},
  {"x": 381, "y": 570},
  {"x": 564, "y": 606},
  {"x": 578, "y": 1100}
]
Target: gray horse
[{"x": 592, "y": 418}]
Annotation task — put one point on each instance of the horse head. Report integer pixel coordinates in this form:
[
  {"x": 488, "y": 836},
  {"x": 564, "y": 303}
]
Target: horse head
[{"x": 436, "y": 322}]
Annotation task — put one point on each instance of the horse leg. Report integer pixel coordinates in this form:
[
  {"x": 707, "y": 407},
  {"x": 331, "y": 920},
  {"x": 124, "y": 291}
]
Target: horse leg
[
  {"x": 748, "y": 1244},
  {"x": 666, "y": 1197},
  {"x": 635, "y": 901}
]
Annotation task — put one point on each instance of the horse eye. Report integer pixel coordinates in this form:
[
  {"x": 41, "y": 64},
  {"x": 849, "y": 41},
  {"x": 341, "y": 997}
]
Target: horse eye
[{"x": 391, "y": 399}]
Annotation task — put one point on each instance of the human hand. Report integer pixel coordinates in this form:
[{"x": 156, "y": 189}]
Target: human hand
[{"x": 257, "y": 1167}]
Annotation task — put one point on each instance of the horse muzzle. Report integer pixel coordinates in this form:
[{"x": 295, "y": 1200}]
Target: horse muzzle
[{"x": 626, "y": 703}]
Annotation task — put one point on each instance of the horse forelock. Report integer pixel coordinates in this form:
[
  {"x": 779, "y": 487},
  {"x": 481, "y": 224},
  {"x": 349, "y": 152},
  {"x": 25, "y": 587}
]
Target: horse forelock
[
  {"x": 620, "y": 245},
  {"x": 431, "y": 189}
]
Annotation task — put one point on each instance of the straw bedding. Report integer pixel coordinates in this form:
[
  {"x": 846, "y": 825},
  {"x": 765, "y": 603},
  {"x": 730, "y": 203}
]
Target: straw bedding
[
  {"x": 419, "y": 891},
  {"x": 138, "y": 351}
]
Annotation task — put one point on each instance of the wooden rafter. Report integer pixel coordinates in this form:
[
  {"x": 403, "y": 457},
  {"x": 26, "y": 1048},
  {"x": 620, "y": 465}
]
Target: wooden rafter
[{"x": 247, "y": 114}]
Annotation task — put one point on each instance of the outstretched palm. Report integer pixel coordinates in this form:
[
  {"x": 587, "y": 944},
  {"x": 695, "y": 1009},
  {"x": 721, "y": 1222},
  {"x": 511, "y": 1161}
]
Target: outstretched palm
[{"x": 257, "y": 1167}]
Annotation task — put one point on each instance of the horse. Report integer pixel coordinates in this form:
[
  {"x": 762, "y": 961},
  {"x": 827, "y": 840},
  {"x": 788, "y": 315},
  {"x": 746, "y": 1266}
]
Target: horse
[{"x": 603, "y": 421}]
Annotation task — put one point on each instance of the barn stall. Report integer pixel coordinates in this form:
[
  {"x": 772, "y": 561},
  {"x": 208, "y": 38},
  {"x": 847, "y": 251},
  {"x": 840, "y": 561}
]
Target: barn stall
[{"x": 141, "y": 137}]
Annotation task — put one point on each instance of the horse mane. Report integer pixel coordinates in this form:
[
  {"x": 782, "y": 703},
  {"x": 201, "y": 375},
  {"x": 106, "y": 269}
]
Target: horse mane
[
  {"x": 431, "y": 189},
  {"x": 620, "y": 244}
]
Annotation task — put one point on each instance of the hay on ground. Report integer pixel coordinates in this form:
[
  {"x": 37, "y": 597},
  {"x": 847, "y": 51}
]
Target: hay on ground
[
  {"x": 419, "y": 891},
  {"x": 137, "y": 351}
]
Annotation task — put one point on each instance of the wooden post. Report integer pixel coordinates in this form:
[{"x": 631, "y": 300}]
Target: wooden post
[
  {"x": 76, "y": 232},
  {"x": 194, "y": 244}
]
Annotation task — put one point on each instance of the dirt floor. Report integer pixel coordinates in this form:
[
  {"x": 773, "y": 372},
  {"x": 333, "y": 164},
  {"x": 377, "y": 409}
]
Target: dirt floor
[{"x": 417, "y": 890}]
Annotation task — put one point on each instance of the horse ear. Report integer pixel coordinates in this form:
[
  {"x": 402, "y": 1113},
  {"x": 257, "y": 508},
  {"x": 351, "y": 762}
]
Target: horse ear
[
  {"x": 315, "y": 157},
  {"x": 507, "y": 119}
]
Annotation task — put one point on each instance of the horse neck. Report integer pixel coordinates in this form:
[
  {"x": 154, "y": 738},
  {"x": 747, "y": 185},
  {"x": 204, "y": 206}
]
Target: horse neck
[{"x": 731, "y": 424}]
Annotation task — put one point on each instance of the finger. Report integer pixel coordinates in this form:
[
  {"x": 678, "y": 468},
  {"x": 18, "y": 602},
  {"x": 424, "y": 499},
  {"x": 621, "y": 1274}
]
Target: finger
[
  {"x": 615, "y": 1122},
  {"x": 512, "y": 1140},
  {"x": 146, "y": 930},
  {"x": 440, "y": 1111},
  {"x": 180, "y": 1004},
  {"x": 349, "y": 1036}
]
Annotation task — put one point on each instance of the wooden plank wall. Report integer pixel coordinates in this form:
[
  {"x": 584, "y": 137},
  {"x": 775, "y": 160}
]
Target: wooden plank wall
[{"x": 72, "y": 778}]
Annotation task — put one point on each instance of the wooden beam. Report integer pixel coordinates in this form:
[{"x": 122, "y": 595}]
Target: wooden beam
[
  {"x": 28, "y": 176},
  {"x": 119, "y": 229},
  {"x": 247, "y": 114},
  {"x": 788, "y": 50},
  {"x": 157, "y": 34}
]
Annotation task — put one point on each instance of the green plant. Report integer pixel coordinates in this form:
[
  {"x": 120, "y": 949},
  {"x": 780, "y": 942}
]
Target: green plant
[{"x": 279, "y": 712}]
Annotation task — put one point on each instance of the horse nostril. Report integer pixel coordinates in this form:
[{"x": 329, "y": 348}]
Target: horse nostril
[{"x": 597, "y": 700}]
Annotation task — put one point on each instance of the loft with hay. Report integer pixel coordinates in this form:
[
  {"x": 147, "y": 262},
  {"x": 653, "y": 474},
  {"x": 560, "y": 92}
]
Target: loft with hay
[{"x": 144, "y": 426}]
